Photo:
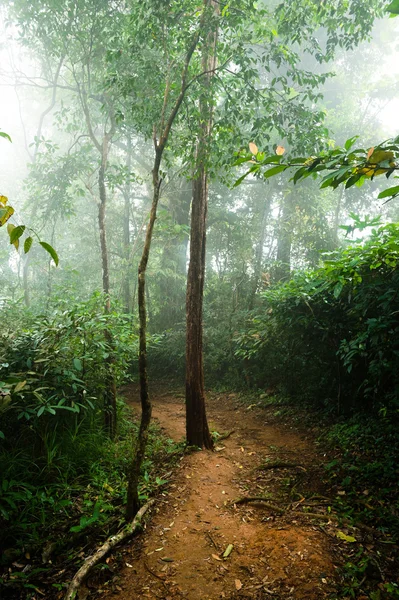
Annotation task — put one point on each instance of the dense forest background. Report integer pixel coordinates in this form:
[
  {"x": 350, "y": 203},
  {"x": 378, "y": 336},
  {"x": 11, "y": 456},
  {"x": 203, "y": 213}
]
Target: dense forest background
[{"x": 120, "y": 109}]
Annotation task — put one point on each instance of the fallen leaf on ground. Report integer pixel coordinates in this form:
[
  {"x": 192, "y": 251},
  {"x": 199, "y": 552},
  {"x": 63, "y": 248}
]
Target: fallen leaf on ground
[
  {"x": 228, "y": 551},
  {"x": 238, "y": 584}
]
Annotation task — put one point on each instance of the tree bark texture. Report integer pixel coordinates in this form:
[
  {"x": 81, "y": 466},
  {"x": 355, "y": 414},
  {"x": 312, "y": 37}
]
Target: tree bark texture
[
  {"x": 133, "y": 502},
  {"x": 197, "y": 430}
]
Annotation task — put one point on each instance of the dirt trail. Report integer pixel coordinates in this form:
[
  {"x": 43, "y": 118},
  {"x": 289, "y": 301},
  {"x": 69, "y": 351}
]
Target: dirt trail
[{"x": 179, "y": 556}]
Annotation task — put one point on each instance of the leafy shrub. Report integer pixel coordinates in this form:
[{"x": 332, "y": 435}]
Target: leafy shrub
[{"x": 332, "y": 335}]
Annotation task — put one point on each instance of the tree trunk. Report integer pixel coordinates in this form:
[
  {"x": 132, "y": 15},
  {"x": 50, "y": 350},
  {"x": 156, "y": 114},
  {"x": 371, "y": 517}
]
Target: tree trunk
[
  {"x": 133, "y": 502},
  {"x": 110, "y": 412},
  {"x": 197, "y": 430}
]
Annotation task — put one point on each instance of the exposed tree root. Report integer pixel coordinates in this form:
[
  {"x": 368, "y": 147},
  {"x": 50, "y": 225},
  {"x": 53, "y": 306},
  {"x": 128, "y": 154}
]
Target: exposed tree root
[
  {"x": 264, "y": 501},
  {"x": 282, "y": 511},
  {"x": 113, "y": 541},
  {"x": 279, "y": 465}
]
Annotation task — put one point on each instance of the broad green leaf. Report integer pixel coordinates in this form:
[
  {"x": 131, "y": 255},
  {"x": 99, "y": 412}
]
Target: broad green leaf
[
  {"x": 28, "y": 244},
  {"x": 274, "y": 171},
  {"x": 393, "y": 191},
  {"x": 393, "y": 8},
  {"x": 51, "y": 251},
  {"x": 349, "y": 143},
  {"x": 77, "y": 363},
  {"x": 16, "y": 233}
]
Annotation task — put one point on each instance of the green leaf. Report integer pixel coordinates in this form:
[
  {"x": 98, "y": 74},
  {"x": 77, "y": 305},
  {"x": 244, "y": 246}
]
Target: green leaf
[
  {"x": 393, "y": 191},
  {"x": 338, "y": 289},
  {"x": 5, "y": 135},
  {"x": 16, "y": 233},
  {"x": 77, "y": 363},
  {"x": 51, "y": 251},
  {"x": 28, "y": 244},
  {"x": 393, "y": 8},
  {"x": 349, "y": 143},
  {"x": 241, "y": 179},
  {"x": 274, "y": 171}
]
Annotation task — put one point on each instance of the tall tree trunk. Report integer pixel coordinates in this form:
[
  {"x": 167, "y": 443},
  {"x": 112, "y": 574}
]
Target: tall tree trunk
[
  {"x": 110, "y": 412},
  {"x": 197, "y": 430},
  {"x": 133, "y": 502}
]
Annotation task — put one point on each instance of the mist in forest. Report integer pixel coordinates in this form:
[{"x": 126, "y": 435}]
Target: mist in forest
[{"x": 197, "y": 206}]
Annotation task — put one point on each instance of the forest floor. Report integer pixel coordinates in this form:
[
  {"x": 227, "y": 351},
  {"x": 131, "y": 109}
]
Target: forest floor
[{"x": 281, "y": 556}]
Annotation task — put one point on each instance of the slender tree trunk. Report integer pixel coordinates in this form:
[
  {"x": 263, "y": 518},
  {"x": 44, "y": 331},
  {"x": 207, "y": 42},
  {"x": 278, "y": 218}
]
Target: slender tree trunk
[
  {"x": 110, "y": 412},
  {"x": 197, "y": 430},
  {"x": 133, "y": 502}
]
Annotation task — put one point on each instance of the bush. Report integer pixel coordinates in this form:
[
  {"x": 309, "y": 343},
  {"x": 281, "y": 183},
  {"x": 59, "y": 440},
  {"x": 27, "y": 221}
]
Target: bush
[{"x": 331, "y": 336}]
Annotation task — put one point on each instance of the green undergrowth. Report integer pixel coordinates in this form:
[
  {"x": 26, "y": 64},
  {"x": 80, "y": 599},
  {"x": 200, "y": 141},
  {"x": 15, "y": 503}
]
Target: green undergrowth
[
  {"x": 54, "y": 514},
  {"x": 360, "y": 475}
]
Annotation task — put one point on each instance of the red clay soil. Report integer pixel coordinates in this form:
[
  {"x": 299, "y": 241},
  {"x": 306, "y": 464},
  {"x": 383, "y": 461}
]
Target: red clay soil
[{"x": 180, "y": 554}]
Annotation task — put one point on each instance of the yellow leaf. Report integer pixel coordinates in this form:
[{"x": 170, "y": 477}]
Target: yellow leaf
[
  {"x": 3, "y": 200},
  {"x": 346, "y": 538},
  {"x": 253, "y": 148},
  {"x": 379, "y": 156},
  {"x": 5, "y": 213},
  {"x": 280, "y": 150},
  {"x": 228, "y": 551},
  {"x": 19, "y": 386}
]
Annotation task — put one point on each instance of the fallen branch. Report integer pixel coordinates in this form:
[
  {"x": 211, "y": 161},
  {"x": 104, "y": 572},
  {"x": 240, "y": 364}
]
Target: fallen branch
[{"x": 113, "y": 541}]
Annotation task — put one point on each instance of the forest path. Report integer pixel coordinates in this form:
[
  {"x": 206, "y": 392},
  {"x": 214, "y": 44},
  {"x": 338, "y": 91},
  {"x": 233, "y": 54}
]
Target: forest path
[{"x": 179, "y": 556}]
